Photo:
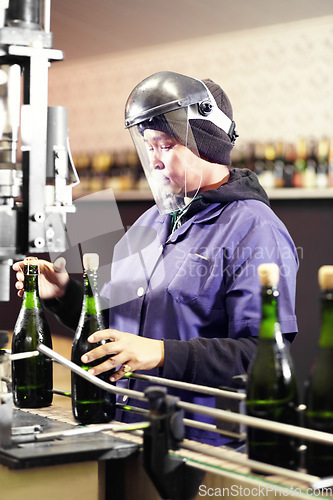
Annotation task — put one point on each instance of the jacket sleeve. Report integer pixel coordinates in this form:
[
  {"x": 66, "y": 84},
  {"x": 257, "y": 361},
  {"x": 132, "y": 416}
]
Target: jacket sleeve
[
  {"x": 67, "y": 309},
  {"x": 212, "y": 362}
]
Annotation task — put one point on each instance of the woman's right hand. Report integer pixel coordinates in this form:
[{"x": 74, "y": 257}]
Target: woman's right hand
[{"x": 53, "y": 278}]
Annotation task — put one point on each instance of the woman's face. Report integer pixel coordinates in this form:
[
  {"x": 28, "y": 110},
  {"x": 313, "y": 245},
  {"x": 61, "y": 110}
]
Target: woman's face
[{"x": 174, "y": 166}]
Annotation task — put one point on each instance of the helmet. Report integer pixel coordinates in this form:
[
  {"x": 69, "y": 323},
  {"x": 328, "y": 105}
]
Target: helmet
[{"x": 194, "y": 119}]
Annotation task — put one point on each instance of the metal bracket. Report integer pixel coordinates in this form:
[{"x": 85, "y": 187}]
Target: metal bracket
[{"x": 173, "y": 478}]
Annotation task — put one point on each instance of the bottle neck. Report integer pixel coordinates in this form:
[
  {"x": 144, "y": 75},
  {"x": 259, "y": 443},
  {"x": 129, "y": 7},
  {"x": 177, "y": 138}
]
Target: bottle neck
[
  {"x": 91, "y": 299},
  {"x": 326, "y": 334},
  {"x": 31, "y": 295},
  {"x": 269, "y": 326}
]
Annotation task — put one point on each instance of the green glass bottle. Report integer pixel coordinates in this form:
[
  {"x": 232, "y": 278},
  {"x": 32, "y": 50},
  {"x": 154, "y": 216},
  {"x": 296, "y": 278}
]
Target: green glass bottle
[
  {"x": 271, "y": 388},
  {"x": 90, "y": 404},
  {"x": 319, "y": 387},
  {"x": 32, "y": 378}
]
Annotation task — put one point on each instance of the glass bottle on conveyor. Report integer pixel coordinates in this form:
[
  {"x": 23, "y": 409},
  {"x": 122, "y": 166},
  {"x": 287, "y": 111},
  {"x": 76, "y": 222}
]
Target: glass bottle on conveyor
[
  {"x": 90, "y": 404},
  {"x": 272, "y": 388},
  {"x": 319, "y": 387},
  {"x": 32, "y": 378}
]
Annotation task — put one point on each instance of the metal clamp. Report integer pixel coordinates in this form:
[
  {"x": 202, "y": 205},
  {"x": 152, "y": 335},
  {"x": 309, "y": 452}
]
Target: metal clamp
[{"x": 173, "y": 478}]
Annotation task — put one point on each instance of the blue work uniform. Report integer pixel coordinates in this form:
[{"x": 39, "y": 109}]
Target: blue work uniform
[{"x": 194, "y": 285}]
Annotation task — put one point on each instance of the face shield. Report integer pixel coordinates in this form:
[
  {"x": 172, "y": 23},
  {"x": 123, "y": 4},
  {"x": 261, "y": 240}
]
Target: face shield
[
  {"x": 170, "y": 118},
  {"x": 170, "y": 159}
]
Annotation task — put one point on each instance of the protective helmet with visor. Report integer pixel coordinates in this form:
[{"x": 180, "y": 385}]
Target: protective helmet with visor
[{"x": 173, "y": 119}]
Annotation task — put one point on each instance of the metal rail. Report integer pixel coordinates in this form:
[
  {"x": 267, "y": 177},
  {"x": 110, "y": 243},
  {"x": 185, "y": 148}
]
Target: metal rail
[
  {"x": 210, "y": 391},
  {"x": 260, "y": 423}
]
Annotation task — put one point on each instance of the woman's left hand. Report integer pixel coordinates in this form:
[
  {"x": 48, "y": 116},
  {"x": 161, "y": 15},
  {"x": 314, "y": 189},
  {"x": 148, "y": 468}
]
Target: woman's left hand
[{"x": 126, "y": 350}]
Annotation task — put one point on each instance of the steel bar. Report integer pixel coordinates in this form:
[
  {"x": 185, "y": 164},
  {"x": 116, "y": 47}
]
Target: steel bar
[
  {"x": 91, "y": 378},
  {"x": 59, "y": 392},
  {"x": 47, "y": 16},
  {"x": 211, "y": 391},
  {"x": 23, "y": 355},
  {"x": 253, "y": 464},
  {"x": 78, "y": 431},
  {"x": 260, "y": 423},
  {"x": 188, "y": 422},
  {"x": 212, "y": 428}
]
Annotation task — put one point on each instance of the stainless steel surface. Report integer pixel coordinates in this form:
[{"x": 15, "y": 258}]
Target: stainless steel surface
[
  {"x": 30, "y": 219},
  {"x": 253, "y": 464},
  {"x": 36, "y": 435},
  {"x": 211, "y": 391},
  {"x": 260, "y": 423},
  {"x": 23, "y": 355},
  {"x": 6, "y": 401}
]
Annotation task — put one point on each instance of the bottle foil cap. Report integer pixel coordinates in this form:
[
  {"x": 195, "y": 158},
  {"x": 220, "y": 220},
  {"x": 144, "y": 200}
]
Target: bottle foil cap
[
  {"x": 269, "y": 274},
  {"x": 325, "y": 277},
  {"x": 90, "y": 261},
  {"x": 29, "y": 262}
]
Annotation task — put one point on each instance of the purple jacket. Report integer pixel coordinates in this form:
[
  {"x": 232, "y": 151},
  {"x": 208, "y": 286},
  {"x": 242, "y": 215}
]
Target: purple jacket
[{"x": 197, "y": 288}]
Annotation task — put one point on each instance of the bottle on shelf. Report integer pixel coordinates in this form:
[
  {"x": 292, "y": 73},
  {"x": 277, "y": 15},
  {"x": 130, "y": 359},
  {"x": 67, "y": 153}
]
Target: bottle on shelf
[
  {"x": 32, "y": 378},
  {"x": 100, "y": 171},
  {"x": 300, "y": 164},
  {"x": 82, "y": 162},
  {"x": 279, "y": 163},
  {"x": 322, "y": 163},
  {"x": 330, "y": 164},
  {"x": 310, "y": 171},
  {"x": 271, "y": 388},
  {"x": 264, "y": 165},
  {"x": 319, "y": 387},
  {"x": 90, "y": 404}
]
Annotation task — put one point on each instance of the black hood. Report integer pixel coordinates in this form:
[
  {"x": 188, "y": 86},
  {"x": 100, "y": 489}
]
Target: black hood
[{"x": 242, "y": 185}]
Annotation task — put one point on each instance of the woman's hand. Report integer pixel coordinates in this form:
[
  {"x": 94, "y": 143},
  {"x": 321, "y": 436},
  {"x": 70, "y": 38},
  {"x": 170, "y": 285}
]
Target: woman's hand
[
  {"x": 130, "y": 351},
  {"x": 53, "y": 278}
]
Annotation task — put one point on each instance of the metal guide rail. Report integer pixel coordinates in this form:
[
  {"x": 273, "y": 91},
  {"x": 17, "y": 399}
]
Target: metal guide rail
[
  {"x": 163, "y": 440},
  {"x": 176, "y": 465}
]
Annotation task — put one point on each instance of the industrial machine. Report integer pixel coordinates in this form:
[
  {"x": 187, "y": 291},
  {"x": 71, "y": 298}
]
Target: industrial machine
[{"x": 36, "y": 171}]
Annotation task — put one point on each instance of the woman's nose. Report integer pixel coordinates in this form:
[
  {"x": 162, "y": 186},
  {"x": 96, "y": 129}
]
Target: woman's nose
[{"x": 155, "y": 162}]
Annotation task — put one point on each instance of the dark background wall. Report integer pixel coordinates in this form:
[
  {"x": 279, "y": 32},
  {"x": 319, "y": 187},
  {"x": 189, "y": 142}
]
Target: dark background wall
[{"x": 310, "y": 223}]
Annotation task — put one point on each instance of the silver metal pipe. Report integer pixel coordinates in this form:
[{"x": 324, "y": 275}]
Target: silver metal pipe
[
  {"x": 188, "y": 422},
  {"x": 91, "y": 378},
  {"x": 260, "y": 423},
  {"x": 47, "y": 16},
  {"x": 10, "y": 89},
  {"x": 5, "y": 264},
  {"x": 247, "y": 462},
  {"x": 212, "y": 428},
  {"x": 211, "y": 391},
  {"x": 23, "y": 355},
  {"x": 77, "y": 431}
]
